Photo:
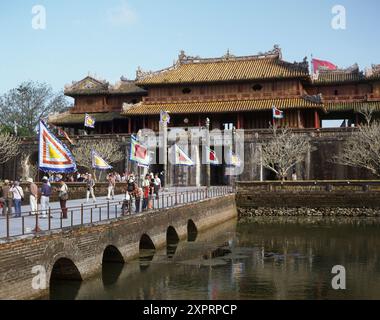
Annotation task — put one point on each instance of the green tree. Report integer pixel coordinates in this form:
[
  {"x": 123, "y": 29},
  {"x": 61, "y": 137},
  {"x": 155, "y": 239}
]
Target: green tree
[{"x": 23, "y": 106}]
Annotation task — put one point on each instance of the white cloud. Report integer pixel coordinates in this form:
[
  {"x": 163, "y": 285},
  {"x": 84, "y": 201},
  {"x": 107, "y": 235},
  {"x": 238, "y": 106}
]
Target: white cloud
[{"x": 122, "y": 15}]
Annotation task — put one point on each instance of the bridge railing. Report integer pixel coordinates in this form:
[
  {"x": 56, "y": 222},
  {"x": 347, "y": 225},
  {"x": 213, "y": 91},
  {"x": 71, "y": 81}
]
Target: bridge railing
[{"x": 39, "y": 222}]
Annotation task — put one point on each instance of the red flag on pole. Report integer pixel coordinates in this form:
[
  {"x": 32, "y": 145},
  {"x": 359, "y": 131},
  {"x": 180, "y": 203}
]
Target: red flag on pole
[{"x": 323, "y": 65}]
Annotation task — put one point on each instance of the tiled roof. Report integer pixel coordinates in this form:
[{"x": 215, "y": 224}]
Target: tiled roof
[
  {"x": 92, "y": 86},
  {"x": 220, "y": 106},
  {"x": 350, "y": 106},
  {"x": 228, "y": 68},
  {"x": 352, "y": 74},
  {"x": 78, "y": 118}
]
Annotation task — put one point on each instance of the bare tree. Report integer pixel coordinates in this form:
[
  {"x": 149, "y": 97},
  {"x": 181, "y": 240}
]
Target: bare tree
[
  {"x": 25, "y": 105},
  {"x": 362, "y": 149},
  {"x": 367, "y": 112},
  {"x": 284, "y": 151},
  {"x": 108, "y": 149},
  {"x": 9, "y": 147}
]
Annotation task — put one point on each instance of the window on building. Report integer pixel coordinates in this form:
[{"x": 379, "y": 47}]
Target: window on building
[
  {"x": 257, "y": 87},
  {"x": 186, "y": 91},
  {"x": 336, "y": 92}
]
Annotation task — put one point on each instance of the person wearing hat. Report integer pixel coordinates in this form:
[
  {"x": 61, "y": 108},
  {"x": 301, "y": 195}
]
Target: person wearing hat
[
  {"x": 33, "y": 189},
  {"x": 7, "y": 195}
]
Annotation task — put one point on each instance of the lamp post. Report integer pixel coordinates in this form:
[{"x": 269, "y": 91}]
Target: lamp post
[{"x": 208, "y": 169}]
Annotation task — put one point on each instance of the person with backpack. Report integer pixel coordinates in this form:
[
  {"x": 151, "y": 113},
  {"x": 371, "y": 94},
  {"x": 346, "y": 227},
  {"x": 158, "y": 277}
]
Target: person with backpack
[
  {"x": 18, "y": 197},
  {"x": 7, "y": 196}
]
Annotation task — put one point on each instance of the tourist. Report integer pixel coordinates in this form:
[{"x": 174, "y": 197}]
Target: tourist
[
  {"x": 111, "y": 186},
  {"x": 294, "y": 176},
  {"x": 33, "y": 189},
  {"x": 7, "y": 197},
  {"x": 146, "y": 191},
  {"x": 131, "y": 184},
  {"x": 151, "y": 191},
  {"x": 90, "y": 182},
  {"x": 63, "y": 197},
  {"x": 162, "y": 178},
  {"x": 157, "y": 186},
  {"x": 45, "y": 196},
  {"x": 18, "y": 196},
  {"x": 138, "y": 193}
]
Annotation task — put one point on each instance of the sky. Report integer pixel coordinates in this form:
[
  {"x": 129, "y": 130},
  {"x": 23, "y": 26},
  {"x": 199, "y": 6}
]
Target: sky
[{"x": 111, "y": 38}]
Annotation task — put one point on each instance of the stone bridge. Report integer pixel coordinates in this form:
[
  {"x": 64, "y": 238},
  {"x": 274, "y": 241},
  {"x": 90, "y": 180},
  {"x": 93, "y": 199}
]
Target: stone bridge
[{"x": 78, "y": 253}]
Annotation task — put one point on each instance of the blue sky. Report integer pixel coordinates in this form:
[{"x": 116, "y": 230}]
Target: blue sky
[{"x": 112, "y": 38}]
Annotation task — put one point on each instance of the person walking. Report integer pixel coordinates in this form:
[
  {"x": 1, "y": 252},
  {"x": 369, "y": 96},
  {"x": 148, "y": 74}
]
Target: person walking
[
  {"x": 157, "y": 186},
  {"x": 63, "y": 194},
  {"x": 7, "y": 196},
  {"x": 138, "y": 193},
  {"x": 33, "y": 189},
  {"x": 146, "y": 191},
  {"x": 90, "y": 182},
  {"x": 18, "y": 196},
  {"x": 45, "y": 197},
  {"x": 111, "y": 186}
]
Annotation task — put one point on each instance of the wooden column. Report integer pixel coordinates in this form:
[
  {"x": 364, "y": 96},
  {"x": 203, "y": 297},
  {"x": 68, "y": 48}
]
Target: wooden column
[
  {"x": 129, "y": 125},
  {"x": 357, "y": 120},
  {"x": 316, "y": 120},
  {"x": 238, "y": 124}
]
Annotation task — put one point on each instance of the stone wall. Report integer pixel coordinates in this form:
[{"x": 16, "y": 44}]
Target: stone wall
[
  {"x": 309, "y": 198},
  {"x": 84, "y": 246}
]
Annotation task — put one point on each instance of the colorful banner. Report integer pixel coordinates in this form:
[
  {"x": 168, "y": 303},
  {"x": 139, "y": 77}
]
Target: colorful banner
[
  {"x": 139, "y": 153},
  {"x": 211, "y": 157},
  {"x": 89, "y": 121},
  {"x": 181, "y": 158},
  {"x": 98, "y": 162},
  {"x": 53, "y": 156},
  {"x": 277, "y": 114},
  {"x": 164, "y": 117}
]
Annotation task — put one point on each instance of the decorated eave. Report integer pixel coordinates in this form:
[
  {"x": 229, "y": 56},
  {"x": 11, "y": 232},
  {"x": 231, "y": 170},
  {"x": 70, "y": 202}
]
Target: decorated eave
[
  {"x": 350, "y": 75},
  {"x": 191, "y": 70},
  {"x": 93, "y": 86},
  {"x": 199, "y": 107},
  {"x": 68, "y": 118}
]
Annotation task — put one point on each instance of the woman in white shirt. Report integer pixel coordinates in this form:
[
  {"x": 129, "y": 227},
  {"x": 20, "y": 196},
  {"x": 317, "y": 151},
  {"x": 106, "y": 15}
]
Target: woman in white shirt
[{"x": 18, "y": 196}]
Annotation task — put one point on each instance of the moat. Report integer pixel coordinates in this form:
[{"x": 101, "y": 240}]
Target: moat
[{"x": 258, "y": 258}]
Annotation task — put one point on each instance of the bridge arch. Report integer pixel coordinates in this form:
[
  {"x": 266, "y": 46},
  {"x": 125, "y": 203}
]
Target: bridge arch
[
  {"x": 112, "y": 254},
  {"x": 192, "y": 231},
  {"x": 112, "y": 265},
  {"x": 146, "y": 243},
  {"x": 147, "y": 251},
  {"x": 172, "y": 240},
  {"x": 65, "y": 269}
]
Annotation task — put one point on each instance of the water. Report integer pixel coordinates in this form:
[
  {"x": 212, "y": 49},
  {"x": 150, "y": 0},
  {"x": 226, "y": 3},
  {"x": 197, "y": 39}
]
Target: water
[{"x": 260, "y": 258}]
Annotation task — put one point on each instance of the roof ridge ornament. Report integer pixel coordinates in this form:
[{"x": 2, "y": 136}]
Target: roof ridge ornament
[{"x": 317, "y": 98}]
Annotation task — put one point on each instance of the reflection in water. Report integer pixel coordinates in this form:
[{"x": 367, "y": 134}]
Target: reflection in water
[{"x": 262, "y": 258}]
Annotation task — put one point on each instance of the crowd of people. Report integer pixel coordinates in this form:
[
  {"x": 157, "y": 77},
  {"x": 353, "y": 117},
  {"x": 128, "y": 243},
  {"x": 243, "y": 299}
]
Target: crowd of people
[{"x": 137, "y": 195}]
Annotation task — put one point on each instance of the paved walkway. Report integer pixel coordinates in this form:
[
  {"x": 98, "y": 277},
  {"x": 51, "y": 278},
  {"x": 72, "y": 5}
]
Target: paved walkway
[{"x": 80, "y": 212}]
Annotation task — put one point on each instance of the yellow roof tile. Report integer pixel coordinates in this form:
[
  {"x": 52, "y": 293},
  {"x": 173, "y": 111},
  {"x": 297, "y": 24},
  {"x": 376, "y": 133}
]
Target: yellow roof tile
[{"x": 220, "y": 106}]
